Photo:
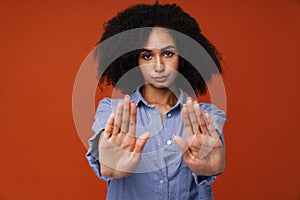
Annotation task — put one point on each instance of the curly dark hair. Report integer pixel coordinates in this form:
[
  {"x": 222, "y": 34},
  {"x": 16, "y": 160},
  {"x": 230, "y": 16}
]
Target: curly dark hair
[{"x": 169, "y": 16}]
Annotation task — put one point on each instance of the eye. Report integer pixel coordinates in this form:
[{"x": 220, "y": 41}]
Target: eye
[
  {"x": 168, "y": 54},
  {"x": 147, "y": 56}
]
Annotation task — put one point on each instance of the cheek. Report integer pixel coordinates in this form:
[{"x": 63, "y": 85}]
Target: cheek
[
  {"x": 144, "y": 71},
  {"x": 140, "y": 61},
  {"x": 174, "y": 74},
  {"x": 175, "y": 67},
  {"x": 175, "y": 64}
]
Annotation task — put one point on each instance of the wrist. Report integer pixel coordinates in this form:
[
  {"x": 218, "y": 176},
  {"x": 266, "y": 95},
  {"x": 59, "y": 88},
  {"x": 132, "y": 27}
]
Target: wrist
[{"x": 112, "y": 173}]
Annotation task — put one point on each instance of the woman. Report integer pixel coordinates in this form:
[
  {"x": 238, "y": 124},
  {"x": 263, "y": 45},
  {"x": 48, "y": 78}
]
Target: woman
[{"x": 156, "y": 143}]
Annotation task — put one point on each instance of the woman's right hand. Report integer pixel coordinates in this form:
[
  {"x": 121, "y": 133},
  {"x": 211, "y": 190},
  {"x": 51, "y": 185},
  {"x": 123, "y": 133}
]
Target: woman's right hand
[{"x": 119, "y": 150}]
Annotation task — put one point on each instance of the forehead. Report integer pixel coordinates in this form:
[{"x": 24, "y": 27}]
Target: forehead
[{"x": 159, "y": 38}]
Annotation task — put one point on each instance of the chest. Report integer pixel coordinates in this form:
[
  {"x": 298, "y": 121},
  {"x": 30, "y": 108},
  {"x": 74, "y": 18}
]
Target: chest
[
  {"x": 159, "y": 122},
  {"x": 160, "y": 150}
]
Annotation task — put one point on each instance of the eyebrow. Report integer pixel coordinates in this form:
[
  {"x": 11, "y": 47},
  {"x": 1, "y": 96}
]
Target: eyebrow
[{"x": 165, "y": 48}]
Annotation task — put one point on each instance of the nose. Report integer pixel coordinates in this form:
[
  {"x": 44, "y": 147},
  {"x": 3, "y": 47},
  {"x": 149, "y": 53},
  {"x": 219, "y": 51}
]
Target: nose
[{"x": 159, "y": 65}]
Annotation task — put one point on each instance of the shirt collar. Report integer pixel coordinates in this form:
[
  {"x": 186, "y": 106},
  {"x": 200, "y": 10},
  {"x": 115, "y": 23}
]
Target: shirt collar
[{"x": 139, "y": 99}]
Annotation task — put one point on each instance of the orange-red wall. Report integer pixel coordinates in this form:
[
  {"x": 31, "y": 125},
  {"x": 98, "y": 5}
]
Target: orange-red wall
[{"x": 43, "y": 43}]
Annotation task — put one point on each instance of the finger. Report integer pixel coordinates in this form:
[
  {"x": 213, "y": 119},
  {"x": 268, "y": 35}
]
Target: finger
[
  {"x": 186, "y": 122},
  {"x": 211, "y": 127},
  {"x": 125, "y": 115},
  {"x": 118, "y": 118},
  {"x": 183, "y": 145},
  {"x": 202, "y": 123},
  {"x": 140, "y": 142},
  {"x": 211, "y": 138},
  {"x": 109, "y": 126},
  {"x": 132, "y": 120},
  {"x": 192, "y": 115},
  {"x": 197, "y": 111}
]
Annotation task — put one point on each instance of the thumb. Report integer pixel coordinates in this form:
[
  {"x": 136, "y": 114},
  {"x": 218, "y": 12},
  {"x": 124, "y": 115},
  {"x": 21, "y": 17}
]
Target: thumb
[
  {"x": 182, "y": 144},
  {"x": 140, "y": 142}
]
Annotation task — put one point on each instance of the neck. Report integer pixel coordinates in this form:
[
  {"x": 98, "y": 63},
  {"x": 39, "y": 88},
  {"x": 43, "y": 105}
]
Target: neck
[{"x": 164, "y": 97}]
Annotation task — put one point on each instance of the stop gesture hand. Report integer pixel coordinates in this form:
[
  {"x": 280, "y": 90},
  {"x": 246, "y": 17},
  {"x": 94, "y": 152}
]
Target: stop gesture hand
[
  {"x": 119, "y": 150},
  {"x": 202, "y": 150}
]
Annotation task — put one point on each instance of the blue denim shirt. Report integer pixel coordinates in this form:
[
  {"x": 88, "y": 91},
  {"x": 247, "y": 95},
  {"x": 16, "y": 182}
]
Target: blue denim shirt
[{"x": 162, "y": 173}]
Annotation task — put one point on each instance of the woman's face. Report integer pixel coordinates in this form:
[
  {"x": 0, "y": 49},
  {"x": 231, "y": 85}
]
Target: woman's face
[{"x": 159, "y": 60}]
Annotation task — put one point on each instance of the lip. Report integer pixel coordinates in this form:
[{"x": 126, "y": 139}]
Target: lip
[{"x": 160, "y": 79}]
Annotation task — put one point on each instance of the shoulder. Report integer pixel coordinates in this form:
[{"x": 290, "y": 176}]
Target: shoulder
[
  {"x": 218, "y": 115},
  {"x": 104, "y": 105},
  {"x": 108, "y": 104},
  {"x": 105, "y": 101},
  {"x": 211, "y": 108}
]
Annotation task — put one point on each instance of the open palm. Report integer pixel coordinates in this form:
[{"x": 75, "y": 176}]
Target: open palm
[
  {"x": 119, "y": 149},
  {"x": 202, "y": 150}
]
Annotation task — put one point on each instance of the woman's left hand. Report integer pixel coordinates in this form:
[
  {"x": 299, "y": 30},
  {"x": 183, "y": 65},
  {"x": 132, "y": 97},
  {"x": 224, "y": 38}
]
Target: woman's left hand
[{"x": 202, "y": 150}]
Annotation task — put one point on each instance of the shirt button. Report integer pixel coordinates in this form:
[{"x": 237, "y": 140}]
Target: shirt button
[
  {"x": 169, "y": 115},
  {"x": 162, "y": 181},
  {"x": 169, "y": 142}
]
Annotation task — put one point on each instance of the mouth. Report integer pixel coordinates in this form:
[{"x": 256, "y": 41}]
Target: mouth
[{"x": 160, "y": 79}]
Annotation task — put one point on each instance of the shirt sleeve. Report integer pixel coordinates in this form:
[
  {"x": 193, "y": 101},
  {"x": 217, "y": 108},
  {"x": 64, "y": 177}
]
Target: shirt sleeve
[
  {"x": 103, "y": 111},
  {"x": 219, "y": 118}
]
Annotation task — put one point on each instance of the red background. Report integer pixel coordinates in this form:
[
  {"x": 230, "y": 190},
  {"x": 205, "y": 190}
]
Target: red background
[{"x": 42, "y": 45}]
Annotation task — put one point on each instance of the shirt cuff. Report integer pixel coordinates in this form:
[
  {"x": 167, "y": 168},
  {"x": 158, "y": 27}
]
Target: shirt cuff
[
  {"x": 92, "y": 155},
  {"x": 203, "y": 180}
]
